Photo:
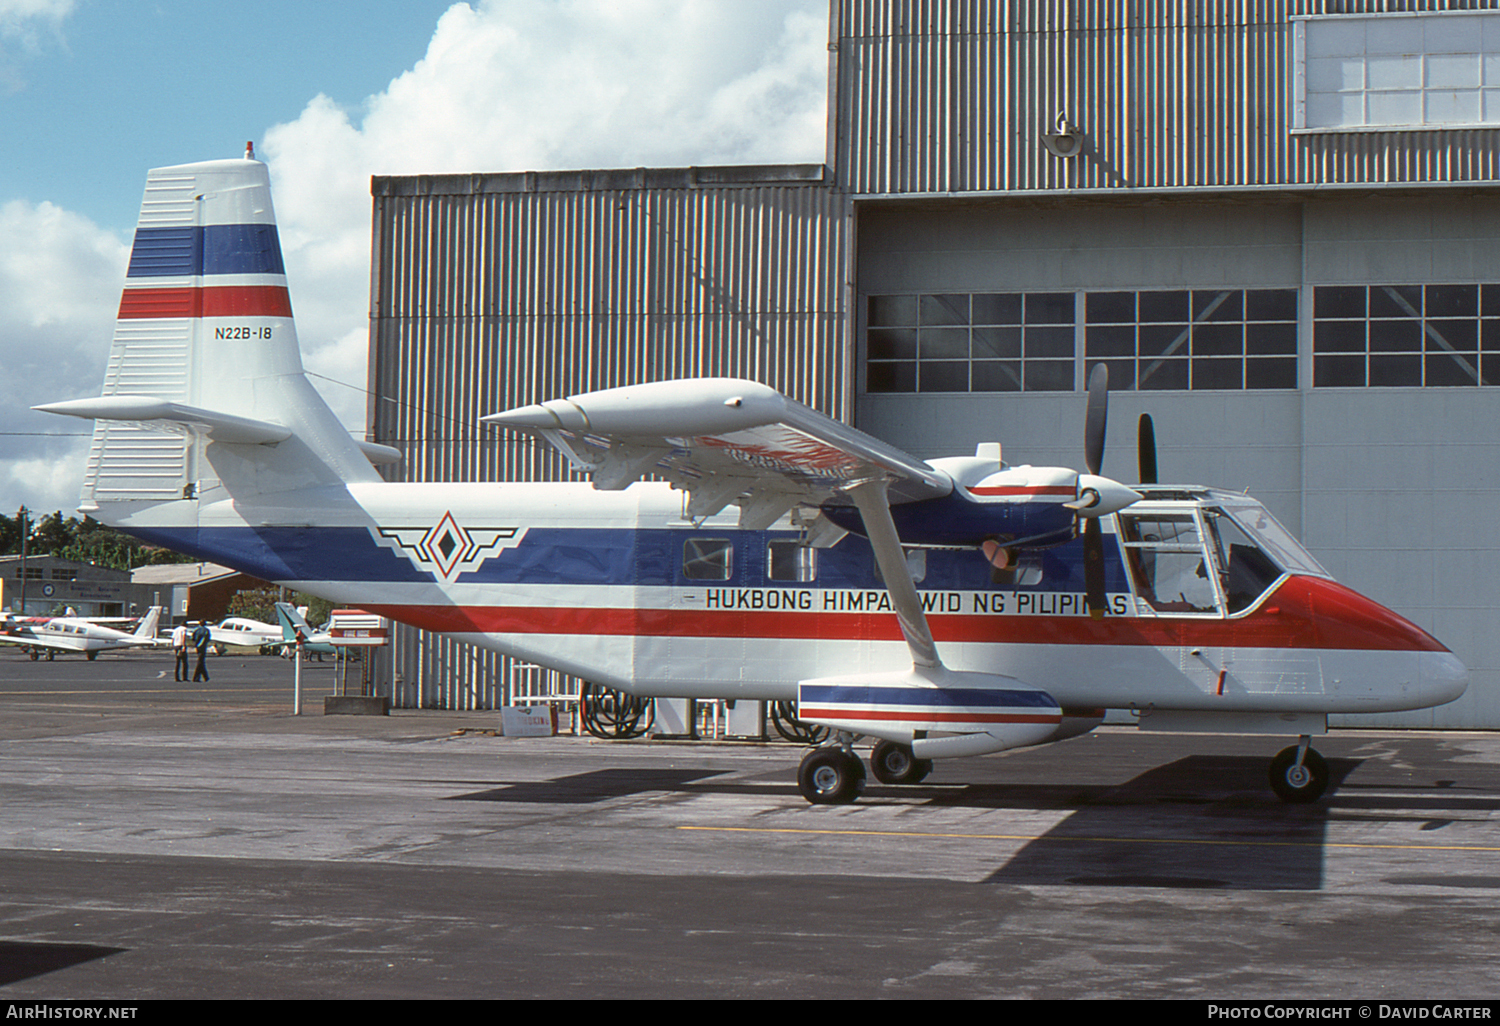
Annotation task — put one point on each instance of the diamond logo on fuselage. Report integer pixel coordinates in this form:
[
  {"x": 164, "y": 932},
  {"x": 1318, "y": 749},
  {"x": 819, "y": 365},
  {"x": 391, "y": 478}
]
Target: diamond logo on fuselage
[{"x": 447, "y": 549}]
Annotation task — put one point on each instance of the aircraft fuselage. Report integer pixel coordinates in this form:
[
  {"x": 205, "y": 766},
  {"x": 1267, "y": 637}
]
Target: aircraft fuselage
[{"x": 619, "y": 588}]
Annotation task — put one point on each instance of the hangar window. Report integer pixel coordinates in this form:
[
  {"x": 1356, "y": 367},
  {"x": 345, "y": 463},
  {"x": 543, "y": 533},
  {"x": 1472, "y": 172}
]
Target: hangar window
[
  {"x": 1194, "y": 339},
  {"x": 961, "y": 342},
  {"x": 1406, "y": 335},
  {"x": 1379, "y": 72},
  {"x": 1015, "y": 342}
]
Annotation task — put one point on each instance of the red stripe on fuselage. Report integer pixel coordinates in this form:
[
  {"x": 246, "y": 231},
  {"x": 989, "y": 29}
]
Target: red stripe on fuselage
[
  {"x": 1303, "y": 613},
  {"x": 219, "y": 301}
]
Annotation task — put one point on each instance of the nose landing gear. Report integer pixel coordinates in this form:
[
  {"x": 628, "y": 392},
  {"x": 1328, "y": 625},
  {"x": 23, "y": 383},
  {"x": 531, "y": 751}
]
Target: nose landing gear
[{"x": 1299, "y": 775}]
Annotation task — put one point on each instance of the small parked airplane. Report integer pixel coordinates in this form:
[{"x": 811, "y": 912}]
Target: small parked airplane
[
  {"x": 942, "y": 608},
  {"x": 243, "y": 632},
  {"x": 77, "y": 634}
]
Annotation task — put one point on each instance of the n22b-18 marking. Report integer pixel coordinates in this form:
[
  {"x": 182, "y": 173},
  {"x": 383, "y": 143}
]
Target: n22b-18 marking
[{"x": 944, "y": 608}]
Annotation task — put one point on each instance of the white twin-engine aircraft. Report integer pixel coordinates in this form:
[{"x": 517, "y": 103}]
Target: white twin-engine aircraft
[{"x": 945, "y": 608}]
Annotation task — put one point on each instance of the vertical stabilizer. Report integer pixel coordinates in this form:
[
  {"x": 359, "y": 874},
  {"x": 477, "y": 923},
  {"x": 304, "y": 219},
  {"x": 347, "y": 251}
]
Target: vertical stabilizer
[
  {"x": 204, "y": 395},
  {"x": 146, "y": 629}
]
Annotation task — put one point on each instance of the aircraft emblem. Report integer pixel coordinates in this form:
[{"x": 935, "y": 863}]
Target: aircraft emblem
[{"x": 448, "y": 549}]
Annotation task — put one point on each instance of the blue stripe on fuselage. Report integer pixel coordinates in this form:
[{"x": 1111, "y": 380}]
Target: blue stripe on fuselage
[{"x": 604, "y": 556}]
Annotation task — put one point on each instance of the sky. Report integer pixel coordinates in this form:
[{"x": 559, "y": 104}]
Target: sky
[{"x": 93, "y": 93}]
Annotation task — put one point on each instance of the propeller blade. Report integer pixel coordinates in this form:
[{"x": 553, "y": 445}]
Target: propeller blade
[
  {"x": 1146, "y": 449},
  {"x": 1093, "y": 568},
  {"x": 1098, "y": 413}
]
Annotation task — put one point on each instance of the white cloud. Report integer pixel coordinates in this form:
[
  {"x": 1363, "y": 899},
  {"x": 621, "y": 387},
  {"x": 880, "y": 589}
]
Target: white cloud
[
  {"x": 536, "y": 85},
  {"x": 24, "y": 24},
  {"x": 55, "y": 321}
]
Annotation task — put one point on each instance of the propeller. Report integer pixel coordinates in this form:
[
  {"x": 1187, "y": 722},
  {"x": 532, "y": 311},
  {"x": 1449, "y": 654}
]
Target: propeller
[
  {"x": 1146, "y": 449},
  {"x": 1093, "y": 454}
]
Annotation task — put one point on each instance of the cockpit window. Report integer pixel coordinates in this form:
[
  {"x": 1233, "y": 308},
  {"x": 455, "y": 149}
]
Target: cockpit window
[
  {"x": 1274, "y": 539},
  {"x": 1245, "y": 572},
  {"x": 1168, "y": 562}
]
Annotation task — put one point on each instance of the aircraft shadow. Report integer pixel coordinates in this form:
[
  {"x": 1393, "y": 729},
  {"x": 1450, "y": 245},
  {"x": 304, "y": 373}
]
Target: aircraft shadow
[
  {"x": 21, "y": 960},
  {"x": 588, "y": 788},
  {"x": 1204, "y": 821}
]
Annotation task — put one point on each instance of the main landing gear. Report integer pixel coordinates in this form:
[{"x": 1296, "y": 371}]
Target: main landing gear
[
  {"x": 1298, "y": 773},
  {"x": 831, "y": 776},
  {"x": 834, "y": 775}
]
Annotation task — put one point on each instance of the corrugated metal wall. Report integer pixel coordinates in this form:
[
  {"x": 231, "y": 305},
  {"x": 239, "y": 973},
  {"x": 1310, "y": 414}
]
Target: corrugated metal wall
[
  {"x": 495, "y": 291},
  {"x": 940, "y": 96}
]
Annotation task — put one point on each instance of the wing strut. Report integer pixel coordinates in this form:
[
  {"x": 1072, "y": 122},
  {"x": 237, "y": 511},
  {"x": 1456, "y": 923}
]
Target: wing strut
[{"x": 874, "y": 507}]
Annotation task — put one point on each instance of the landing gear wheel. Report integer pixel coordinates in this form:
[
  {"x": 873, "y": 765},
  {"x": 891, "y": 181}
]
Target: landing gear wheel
[
  {"x": 830, "y": 776},
  {"x": 92, "y": 655},
  {"x": 1299, "y": 784},
  {"x": 893, "y": 763}
]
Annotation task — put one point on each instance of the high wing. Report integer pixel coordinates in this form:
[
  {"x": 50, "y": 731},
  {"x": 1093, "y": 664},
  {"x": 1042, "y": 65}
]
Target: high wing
[
  {"x": 723, "y": 441},
  {"x": 727, "y": 440}
]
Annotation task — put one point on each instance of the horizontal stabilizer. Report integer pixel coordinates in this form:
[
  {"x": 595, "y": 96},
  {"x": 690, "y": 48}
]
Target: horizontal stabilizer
[
  {"x": 380, "y": 455},
  {"x": 221, "y": 427}
]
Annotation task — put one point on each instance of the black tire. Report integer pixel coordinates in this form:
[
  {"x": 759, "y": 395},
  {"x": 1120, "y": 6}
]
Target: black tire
[
  {"x": 893, "y": 763},
  {"x": 92, "y": 655},
  {"x": 830, "y": 776},
  {"x": 1298, "y": 785}
]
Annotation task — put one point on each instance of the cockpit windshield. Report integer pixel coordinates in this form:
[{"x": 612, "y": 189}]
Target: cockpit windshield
[
  {"x": 1245, "y": 571},
  {"x": 1274, "y": 539},
  {"x": 1201, "y": 558}
]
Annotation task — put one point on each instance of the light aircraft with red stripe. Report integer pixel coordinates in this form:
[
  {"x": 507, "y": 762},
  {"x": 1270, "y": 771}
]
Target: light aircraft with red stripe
[
  {"x": 938, "y": 608},
  {"x": 51, "y": 635}
]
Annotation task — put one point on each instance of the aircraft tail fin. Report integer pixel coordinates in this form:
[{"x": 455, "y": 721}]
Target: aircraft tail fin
[
  {"x": 146, "y": 630},
  {"x": 204, "y": 394},
  {"x": 291, "y": 622}
]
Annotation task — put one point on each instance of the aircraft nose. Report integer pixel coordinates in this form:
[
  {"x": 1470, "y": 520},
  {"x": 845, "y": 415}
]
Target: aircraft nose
[{"x": 1443, "y": 676}]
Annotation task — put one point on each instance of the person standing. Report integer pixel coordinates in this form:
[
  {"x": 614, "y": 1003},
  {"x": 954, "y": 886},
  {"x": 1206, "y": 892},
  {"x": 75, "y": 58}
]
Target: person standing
[
  {"x": 201, "y": 639},
  {"x": 179, "y": 649}
]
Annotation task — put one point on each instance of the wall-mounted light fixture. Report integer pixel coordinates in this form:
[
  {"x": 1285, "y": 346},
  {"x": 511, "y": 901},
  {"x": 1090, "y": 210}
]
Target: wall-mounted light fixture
[{"x": 1064, "y": 140}]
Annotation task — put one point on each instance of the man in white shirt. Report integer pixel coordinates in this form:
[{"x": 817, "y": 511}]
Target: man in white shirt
[{"x": 180, "y": 648}]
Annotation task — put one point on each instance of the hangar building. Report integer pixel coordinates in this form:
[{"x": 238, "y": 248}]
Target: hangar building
[{"x": 1275, "y": 221}]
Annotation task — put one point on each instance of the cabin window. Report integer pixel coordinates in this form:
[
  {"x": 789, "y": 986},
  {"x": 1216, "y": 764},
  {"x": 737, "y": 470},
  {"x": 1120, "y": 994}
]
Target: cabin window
[
  {"x": 707, "y": 559},
  {"x": 790, "y": 561},
  {"x": 1168, "y": 563}
]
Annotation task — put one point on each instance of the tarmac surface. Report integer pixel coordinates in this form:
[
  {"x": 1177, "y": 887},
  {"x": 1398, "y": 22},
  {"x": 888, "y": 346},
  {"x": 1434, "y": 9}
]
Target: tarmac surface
[{"x": 164, "y": 840}]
